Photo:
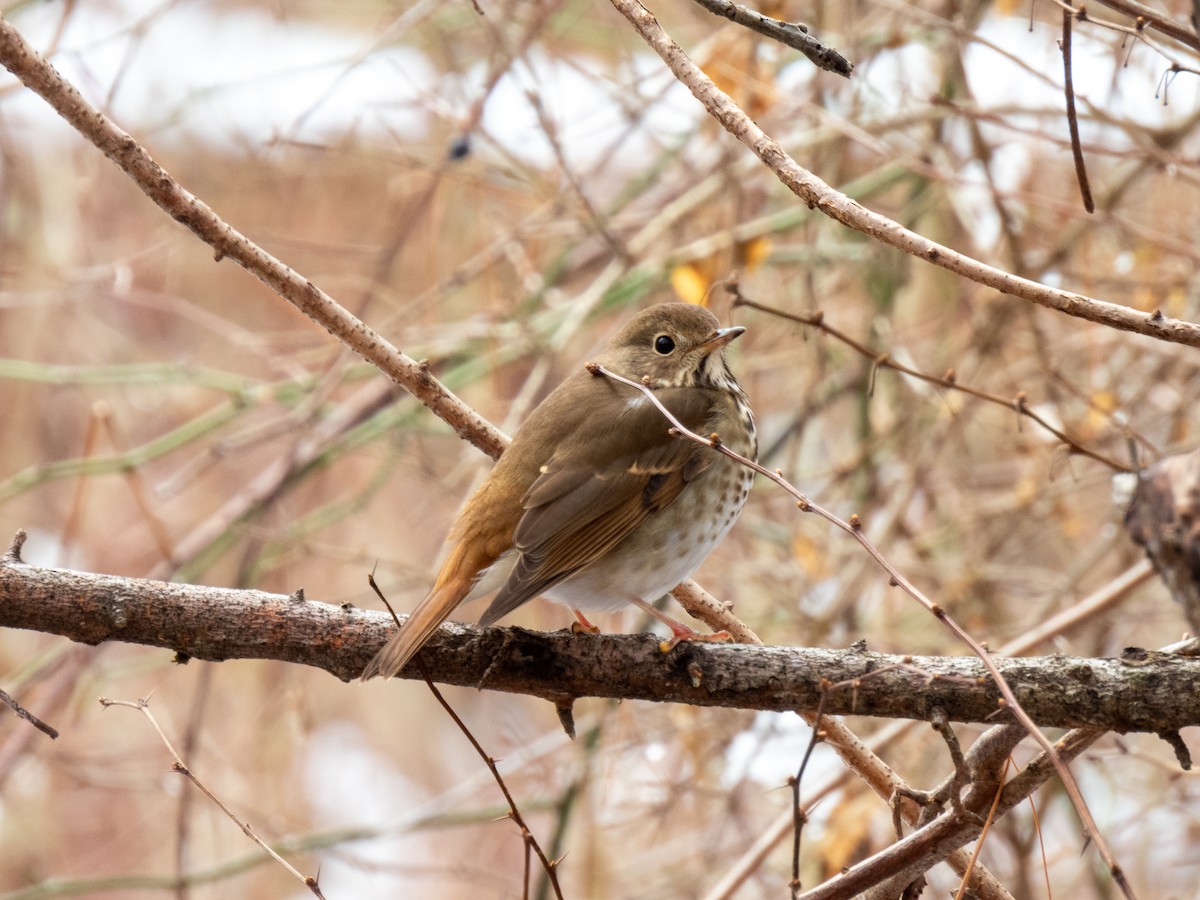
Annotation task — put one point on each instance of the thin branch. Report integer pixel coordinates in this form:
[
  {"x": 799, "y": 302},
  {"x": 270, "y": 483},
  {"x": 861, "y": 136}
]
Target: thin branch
[
  {"x": 531, "y": 843},
  {"x": 799, "y": 812},
  {"x": 790, "y": 34},
  {"x": 948, "y": 381},
  {"x": 1136, "y": 32},
  {"x": 143, "y": 706},
  {"x": 819, "y": 195},
  {"x": 989, "y": 820},
  {"x": 549, "y": 865},
  {"x": 1149, "y": 17},
  {"x": 1085, "y": 189},
  {"x": 43, "y": 79},
  {"x": 25, "y": 714}
]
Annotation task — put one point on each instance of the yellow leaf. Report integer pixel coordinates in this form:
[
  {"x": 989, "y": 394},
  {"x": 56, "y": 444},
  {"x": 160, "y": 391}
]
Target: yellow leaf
[
  {"x": 848, "y": 835},
  {"x": 752, "y": 253},
  {"x": 1106, "y": 401},
  {"x": 1098, "y": 417},
  {"x": 1071, "y": 524},
  {"x": 689, "y": 285},
  {"x": 810, "y": 555}
]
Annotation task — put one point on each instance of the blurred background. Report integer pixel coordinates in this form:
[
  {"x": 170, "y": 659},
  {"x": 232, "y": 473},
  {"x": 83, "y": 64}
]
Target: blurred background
[{"x": 496, "y": 187}]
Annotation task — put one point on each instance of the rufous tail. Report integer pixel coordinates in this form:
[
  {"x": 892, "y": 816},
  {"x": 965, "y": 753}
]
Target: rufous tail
[{"x": 453, "y": 584}]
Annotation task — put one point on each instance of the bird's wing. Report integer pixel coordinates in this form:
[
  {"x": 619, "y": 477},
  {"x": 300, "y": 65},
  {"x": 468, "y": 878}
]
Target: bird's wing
[{"x": 602, "y": 483}]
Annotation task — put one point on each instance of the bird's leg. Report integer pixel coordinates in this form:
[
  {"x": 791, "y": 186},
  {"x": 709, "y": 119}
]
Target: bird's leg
[
  {"x": 679, "y": 631},
  {"x": 582, "y": 625}
]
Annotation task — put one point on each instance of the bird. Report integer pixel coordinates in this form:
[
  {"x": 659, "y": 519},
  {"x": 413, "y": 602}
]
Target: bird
[
  {"x": 597, "y": 504},
  {"x": 1163, "y": 515}
]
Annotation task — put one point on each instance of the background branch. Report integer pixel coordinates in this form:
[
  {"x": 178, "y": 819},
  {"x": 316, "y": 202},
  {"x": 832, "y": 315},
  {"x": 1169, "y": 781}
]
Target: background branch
[
  {"x": 819, "y": 195},
  {"x": 180, "y": 204},
  {"x": 790, "y": 34}
]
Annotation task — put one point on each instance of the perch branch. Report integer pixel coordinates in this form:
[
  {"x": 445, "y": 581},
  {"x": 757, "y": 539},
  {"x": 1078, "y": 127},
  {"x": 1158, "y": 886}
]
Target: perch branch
[{"x": 1161, "y": 692}]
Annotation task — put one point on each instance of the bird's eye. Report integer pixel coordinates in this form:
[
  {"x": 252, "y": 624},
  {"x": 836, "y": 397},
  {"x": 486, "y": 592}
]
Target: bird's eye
[{"x": 664, "y": 345}]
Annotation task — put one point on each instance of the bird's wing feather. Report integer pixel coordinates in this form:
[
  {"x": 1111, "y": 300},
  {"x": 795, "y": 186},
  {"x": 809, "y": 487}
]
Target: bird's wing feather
[{"x": 590, "y": 495}]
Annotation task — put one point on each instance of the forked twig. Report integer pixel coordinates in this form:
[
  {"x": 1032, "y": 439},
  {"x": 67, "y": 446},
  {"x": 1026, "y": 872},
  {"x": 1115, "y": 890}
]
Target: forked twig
[
  {"x": 178, "y": 765},
  {"x": 25, "y": 714},
  {"x": 949, "y": 381}
]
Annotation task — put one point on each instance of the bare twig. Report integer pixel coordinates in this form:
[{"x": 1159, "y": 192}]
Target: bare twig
[
  {"x": 25, "y": 714},
  {"x": 989, "y": 820},
  {"x": 1153, "y": 18},
  {"x": 549, "y": 865},
  {"x": 531, "y": 844},
  {"x": 702, "y": 605},
  {"x": 178, "y": 765},
  {"x": 1135, "y": 32},
  {"x": 1081, "y": 176},
  {"x": 800, "y": 813},
  {"x": 791, "y": 34}
]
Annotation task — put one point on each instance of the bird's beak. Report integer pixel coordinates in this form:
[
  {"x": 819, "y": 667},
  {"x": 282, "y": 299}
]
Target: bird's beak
[{"x": 720, "y": 339}]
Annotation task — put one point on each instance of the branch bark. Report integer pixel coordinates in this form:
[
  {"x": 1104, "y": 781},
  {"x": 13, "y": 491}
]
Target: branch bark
[
  {"x": 789, "y": 34},
  {"x": 1152, "y": 692},
  {"x": 1153, "y": 18}
]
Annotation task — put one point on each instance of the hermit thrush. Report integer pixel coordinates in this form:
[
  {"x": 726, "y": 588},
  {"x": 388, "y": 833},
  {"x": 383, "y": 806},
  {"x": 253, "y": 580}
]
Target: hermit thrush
[{"x": 596, "y": 504}]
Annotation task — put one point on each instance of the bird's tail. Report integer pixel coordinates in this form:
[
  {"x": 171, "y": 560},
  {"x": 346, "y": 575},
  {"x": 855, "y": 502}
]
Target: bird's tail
[{"x": 454, "y": 583}]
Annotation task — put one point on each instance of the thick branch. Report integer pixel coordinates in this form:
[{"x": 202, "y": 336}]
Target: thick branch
[{"x": 1158, "y": 693}]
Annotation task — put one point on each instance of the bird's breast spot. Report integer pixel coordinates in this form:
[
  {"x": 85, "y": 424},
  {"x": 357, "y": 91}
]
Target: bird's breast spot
[{"x": 635, "y": 401}]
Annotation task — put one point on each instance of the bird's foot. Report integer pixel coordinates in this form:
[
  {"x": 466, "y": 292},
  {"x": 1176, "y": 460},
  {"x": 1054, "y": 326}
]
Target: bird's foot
[
  {"x": 581, "y": 625},
  {"x": 679, "y": 631}
]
